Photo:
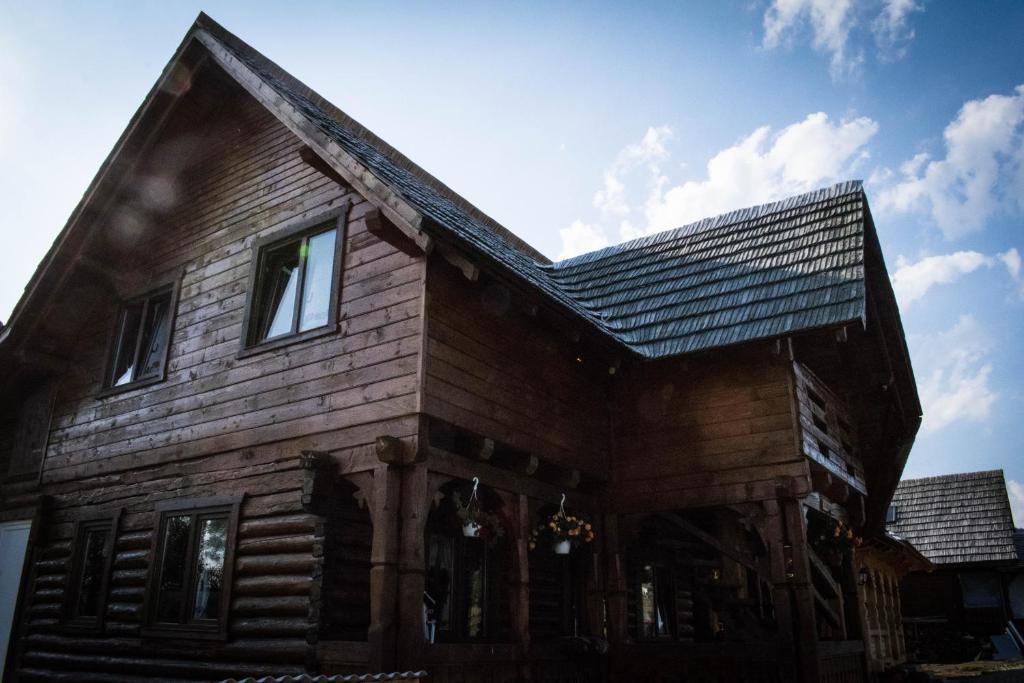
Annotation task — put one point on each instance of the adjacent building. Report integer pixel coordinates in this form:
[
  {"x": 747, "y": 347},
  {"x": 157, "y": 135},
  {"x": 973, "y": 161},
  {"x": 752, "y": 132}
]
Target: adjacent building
[{"x": 963, "y": 524}]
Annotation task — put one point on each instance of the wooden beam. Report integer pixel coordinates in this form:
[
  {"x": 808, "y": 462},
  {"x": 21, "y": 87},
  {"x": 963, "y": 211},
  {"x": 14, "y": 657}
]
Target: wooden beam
[
  {"x": 453, "y": 256},
  {"x": 823, "y": 572},
  {"x": 406, "y": 217},
  {"x": 827, "y": 609},
  {"x": 732, "y": 553},
  {"x": 385, "y": 230}
]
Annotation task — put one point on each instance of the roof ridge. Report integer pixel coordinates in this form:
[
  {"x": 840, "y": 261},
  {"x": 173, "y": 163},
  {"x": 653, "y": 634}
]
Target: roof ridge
[
  {"x": 235, "y": 43},
  {"x": 833, "y": 191},
  {"x": 956, "y": 476}
]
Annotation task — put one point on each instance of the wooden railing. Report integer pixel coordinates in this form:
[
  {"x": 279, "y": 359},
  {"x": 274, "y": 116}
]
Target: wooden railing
[{"x": 827, "y": 430}]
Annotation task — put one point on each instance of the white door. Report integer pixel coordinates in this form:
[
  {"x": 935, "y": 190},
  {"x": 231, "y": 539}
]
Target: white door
[{"x": 13, "y": 542}]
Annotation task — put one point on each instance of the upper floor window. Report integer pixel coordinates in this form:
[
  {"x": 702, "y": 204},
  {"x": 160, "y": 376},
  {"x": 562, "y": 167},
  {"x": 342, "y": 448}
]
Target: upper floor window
[
  {"x": 294, "y": 287},
  {"x": 193, "y": 557},
  {"x": 141, "y": 339}
]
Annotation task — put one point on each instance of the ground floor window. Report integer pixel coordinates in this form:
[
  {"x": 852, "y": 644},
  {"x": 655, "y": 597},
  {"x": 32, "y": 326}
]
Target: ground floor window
[
  {"x": 190, "y": 578},
  {"x": 465, "y": 598}
]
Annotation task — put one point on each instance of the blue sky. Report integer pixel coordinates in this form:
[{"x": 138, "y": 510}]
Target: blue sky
[{"x": 579, "y": 125}]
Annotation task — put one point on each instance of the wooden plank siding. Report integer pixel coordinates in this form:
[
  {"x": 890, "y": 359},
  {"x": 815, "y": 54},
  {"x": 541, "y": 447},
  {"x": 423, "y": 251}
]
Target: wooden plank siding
[
  {"x": 222, "y": 424},
  {"x": 708, "y": 431},
  {"x": 494, "y": 370}
]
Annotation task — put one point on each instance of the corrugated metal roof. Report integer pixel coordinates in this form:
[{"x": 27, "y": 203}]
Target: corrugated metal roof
[
  {"x": 956, "y": 518},
  {"x": 756, "y": 273}
]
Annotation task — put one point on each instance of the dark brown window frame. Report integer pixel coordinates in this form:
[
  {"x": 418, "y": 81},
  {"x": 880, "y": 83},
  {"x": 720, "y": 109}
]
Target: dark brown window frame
[
  {"x": 71, "y": 622},
  {"x": 109, "y": 388},
  {"x": 193, "y": 506},
  {"x": 262, "y": 245}
]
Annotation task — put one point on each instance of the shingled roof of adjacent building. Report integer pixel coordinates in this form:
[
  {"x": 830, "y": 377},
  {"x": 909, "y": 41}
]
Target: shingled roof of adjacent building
[
  {"x": 956, "y": 518},
  {"x": 756, "y": 273}
]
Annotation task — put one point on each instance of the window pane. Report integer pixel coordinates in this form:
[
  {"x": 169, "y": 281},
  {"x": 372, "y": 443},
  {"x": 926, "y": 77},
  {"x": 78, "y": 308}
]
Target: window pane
[
  {"x": 277, "y": 283},
  {"x": 210, "y": 568},
  {"x": 653, "y": 595},
  {"x": 154, "y": 336},
  {"x": 440, "y": 566},
  {"x": 316, "y": 289},
  {"x": 475, "y": 573},
  {"x": 90, "y": 581},
  {"x": 127, "y": 337},
  {"x": 171, "y": 595}
]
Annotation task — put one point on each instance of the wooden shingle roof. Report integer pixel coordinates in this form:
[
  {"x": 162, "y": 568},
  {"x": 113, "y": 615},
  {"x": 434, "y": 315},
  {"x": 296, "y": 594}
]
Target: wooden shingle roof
[{"x": 956, "y": 518}]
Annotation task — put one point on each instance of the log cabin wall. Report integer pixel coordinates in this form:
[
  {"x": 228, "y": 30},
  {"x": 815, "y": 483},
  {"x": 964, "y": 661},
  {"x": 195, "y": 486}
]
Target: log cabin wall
[
  {"x": 496, "y": 370},
  {"x": 221, "y": 424},
  {"x": 712, "y": 430}
]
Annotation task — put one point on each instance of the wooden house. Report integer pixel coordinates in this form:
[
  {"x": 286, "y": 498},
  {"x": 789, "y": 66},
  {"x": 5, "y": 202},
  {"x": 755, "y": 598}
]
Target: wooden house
[
  {"x": 249, "y": 389},
  {"x": 963, "y": 524}
]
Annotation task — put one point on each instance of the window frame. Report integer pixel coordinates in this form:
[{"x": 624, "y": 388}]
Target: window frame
[
  {"x": 72, "y": 588},
  {"x": 109, "y": 388},
  {"x": 194, "y": 507},
  {"x": 336, "y": 218}
]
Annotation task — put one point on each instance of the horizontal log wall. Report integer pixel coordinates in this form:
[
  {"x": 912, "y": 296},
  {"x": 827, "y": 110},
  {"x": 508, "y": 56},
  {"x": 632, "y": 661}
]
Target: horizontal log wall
[
  {"x": 709, "y": 431},
  {"x": 499, "y": 372},
  {"x": 223, "y": 425}
]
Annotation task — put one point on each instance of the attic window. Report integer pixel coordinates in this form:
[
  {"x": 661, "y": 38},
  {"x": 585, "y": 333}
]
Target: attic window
[
  {"x": 295, "y": 285},
  {"x": 141, "y": 339}
]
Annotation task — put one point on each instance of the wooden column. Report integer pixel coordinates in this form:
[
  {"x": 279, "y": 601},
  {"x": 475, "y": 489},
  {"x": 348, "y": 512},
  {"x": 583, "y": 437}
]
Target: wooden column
[
  {"x": 803, "y": 590},
  {"x": 615, "y": 582},
  {"x": 416, "y": 497},
  {"x": 520, "y": 583},
  {"x": 793, "y": 591},
  {"x": 382, "y": 636}
]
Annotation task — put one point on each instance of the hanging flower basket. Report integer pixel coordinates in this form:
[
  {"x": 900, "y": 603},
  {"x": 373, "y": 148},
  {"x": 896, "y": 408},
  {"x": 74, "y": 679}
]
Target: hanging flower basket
[
  {"x": 564, "y": 532},
  {"x": 476, "y": 521}
]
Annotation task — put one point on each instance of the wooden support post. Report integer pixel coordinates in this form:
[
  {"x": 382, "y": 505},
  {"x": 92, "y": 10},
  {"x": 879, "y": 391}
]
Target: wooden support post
[
  {"x": 615, "y": 582},
  {"x": 521, "y": 585},
  {"x": 805, "y": 625},
  {"x": 382, "y": 636},
  {"x": 416, "y": 498}
]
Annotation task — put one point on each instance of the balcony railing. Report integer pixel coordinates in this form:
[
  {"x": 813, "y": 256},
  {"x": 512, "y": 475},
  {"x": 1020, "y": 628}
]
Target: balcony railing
[{"x": 828, "y": 433}]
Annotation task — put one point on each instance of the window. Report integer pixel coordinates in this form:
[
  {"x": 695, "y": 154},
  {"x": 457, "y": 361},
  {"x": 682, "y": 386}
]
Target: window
[
  {"x": 293, "y": 290},
  {"x": 656, "y": 603},
  {"x": 464, "y": 596},
  {"x": 90, "y": 568},
  {"x": 141, "y": 339},
  {"x": 190, "y": 579}
]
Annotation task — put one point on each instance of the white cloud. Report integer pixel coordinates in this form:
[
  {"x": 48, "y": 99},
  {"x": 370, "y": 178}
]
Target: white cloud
[
  {"x": 912, "y": 280},
  {"x": 953, "y": 375},
  {"x": 892, "y": 30},
  {"x": 651, "y": 150},
  {"x": 831, "y": 22},
  {"x": 1016, "y": 491},
  {"x": 763, "y": 167},
  {"x": 1011, "y": 259},
  {"x": 981, "y": 175},
  {"x": 639, "y": 199},
  {"x": 579, "y": 238}
]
